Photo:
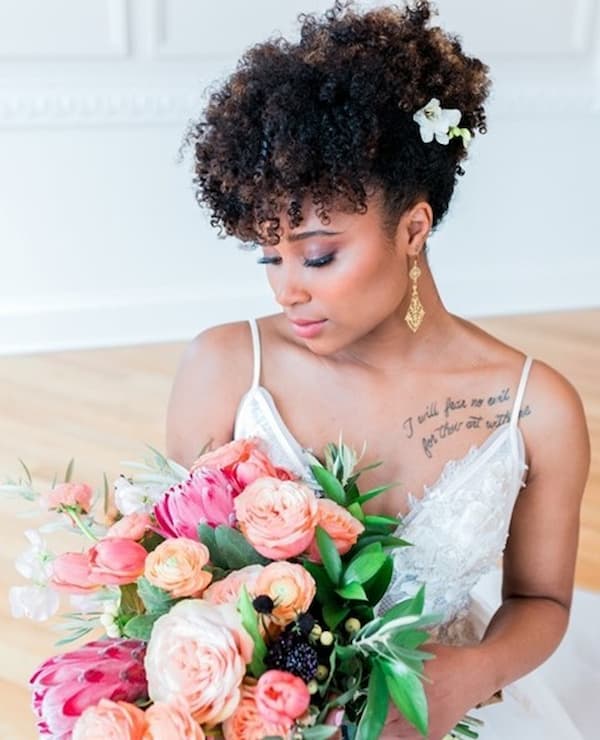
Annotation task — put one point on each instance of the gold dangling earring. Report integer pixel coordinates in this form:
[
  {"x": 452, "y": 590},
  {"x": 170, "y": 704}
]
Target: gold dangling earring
[{"x": 415, "y": 313}]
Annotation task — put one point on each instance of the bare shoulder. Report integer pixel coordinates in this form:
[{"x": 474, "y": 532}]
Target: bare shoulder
[
  {"x": 558, "y": 427},
  {"x": 213, "y": 373}
]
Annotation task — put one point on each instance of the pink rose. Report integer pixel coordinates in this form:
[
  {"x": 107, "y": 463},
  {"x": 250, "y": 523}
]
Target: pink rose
[
  {"x": 71, "y": 574},
  {"x": 205, "y": 496},
  {"x": 68, "y": 494},
  {"x": 281, "y": 697},
  {"x": 199, "y": 651},
  {"x": 244, "y": 459},
  {"x": 340, "y": 525},
  {"x": 227, "y": 590},
  {"x": 131, "y": 527},
  {"x": 110, "y": 719},
  {"x": 65, "y": 685},
  {"x": 116, "y": 561},
  {"x": 172, "y": 720},
  {"x": 277, "y": 517}
]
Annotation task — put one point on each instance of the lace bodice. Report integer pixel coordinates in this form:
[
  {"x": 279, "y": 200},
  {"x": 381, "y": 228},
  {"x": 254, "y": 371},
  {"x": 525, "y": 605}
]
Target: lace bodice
[{"x": 458, "y": 527}]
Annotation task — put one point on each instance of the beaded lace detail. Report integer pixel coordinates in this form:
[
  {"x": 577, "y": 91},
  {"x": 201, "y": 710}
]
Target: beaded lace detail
[{"x": 458, "y": 528}]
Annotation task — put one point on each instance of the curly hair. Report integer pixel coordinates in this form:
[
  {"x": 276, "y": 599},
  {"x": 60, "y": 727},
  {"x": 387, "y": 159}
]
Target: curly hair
[{"x": 332, "y": 116}]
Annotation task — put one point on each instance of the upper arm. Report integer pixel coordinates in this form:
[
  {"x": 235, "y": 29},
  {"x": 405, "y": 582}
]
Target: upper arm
[
  {"x": 541, "y": 551},
  {"x": 212, "y": 374}
]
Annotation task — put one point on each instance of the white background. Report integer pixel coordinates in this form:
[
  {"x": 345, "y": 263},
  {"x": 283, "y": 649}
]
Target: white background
[{"x": 101, "y": 242}]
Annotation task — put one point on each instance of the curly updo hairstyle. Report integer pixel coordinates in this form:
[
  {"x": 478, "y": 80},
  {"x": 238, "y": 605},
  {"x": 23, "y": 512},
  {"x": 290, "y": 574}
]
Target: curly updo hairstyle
[{"x": 330, "y": 117}]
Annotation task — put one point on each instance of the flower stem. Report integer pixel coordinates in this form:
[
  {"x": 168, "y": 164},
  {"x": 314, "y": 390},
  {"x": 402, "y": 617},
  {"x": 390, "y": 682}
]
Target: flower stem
[{"x": 74, "y": 514}]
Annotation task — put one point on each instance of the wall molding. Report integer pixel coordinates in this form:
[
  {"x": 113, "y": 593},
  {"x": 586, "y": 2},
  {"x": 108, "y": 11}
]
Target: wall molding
[{"x": 81, "y": 325}]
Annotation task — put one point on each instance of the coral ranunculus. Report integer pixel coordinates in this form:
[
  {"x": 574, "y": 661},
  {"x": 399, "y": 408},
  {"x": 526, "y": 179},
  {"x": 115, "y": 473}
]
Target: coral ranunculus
[
  {"x": 339, "y": 524},
  {"x": 247, "y": 723},
  {"x": 291, "y": 587},
  {"x": 172, "y": 720},
  {"x": 199, "y": 651},
  {"x": 131, "y": 526},
  {"x": 176, "y": 567},
  {"x": 65, "y": 685},
  {"x": 205, "y": 496},
  {"x": 277, "y": 517},
  {"x": 244, "y": 459},
  {"x": 281, "y": 697},
  {"x": 68, "y": 494},
  {"x": 110, "y": 720},
  {"x": 116, "y": 561}
]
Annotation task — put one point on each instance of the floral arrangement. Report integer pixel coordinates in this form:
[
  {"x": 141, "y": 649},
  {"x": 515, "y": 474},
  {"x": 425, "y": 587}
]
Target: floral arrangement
[{"x": 232, "y": 600}]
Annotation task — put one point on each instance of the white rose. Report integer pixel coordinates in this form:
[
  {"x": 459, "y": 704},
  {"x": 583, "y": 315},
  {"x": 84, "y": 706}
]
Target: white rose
[{"x": 199, "y": 651}]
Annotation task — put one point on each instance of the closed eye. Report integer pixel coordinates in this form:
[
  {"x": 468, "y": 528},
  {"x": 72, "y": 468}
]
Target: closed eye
[{"x": 319, "y": 262}]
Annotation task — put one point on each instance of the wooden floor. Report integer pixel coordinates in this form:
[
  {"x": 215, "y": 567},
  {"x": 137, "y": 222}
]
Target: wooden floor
[{"x": 100, "y": 406}]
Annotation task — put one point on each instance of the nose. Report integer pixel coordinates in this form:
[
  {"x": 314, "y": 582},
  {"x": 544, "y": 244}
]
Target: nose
[{"x": 289, "y": 289}]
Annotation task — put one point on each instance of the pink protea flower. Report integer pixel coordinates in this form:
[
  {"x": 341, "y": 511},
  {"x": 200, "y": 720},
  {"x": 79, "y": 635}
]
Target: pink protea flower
[
  {"x": 65, "y": 685},
  {"x": 206, "y": 495}
]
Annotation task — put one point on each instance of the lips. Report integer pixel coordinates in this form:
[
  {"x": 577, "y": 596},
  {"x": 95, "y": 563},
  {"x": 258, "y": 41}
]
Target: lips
[{"x": 306, "y": 322}]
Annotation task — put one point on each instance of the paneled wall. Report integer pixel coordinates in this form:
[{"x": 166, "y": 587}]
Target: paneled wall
[{"x": 101, "y": 242}]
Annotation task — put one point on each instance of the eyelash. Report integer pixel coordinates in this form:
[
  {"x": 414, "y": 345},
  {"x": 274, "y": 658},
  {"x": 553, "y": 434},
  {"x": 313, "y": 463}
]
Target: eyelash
[{"x": 320, "y": 262}]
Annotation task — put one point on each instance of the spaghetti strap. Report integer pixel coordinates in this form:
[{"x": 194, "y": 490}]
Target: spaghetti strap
[
  {"x": 514, "y": 416},
  {"x": 255, "y": 351}
]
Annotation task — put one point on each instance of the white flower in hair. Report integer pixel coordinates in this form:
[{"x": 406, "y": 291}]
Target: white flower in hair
[{"x": 440, "y": 122}]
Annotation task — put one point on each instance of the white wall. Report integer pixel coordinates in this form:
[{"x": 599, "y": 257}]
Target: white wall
[{"x": 101, "y": 242}]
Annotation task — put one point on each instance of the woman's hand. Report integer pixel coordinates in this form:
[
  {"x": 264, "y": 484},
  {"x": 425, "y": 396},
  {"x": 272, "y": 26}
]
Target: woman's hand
[{"x": 456, "y": 673}]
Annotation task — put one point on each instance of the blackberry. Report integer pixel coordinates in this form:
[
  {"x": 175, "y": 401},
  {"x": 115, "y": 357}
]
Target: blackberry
[{"x": 291, "y": 653}]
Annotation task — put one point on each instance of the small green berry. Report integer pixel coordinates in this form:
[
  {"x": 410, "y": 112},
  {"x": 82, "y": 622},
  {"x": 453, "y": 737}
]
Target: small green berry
[
  {"x": 326, "y": 638},
  {"x": 312, "y": 686},
  {"x": 322, "y": 672},
  {"x": 352, "y": 625}
]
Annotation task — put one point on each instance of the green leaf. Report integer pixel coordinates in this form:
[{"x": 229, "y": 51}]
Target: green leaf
[
  {"x": 365, "y": 564},
  {"x": 318, "y": 732},
  {"x": 26, "y": 469},
  {"x": 376, "y": 711},
  {"x": 235, "y": 549},
  {"x": 333, "y": 614},
  {"x": 368, "y": 495},
  {"x": 329, "y": 555},
  {"x": 331, "y": 486},
  {"x": 206, "y": 535},
  {"x": 356, "y": 511},
  {"x": 325, "y": 586},
  {"x": 69, "y": 471},
  {"x": 249, "y": 619},
  {"x": 156, "y": 600},
  {"x": 412, "y": 606},
  {"x": 407, "y": 693},
  {"x": 140, "y": 626},
  {"x": 352, "y": 591},
  {"x": 386, "y": 540},
  {"x": 379, "y": 521},
  {"x": 376, "y": 586}
]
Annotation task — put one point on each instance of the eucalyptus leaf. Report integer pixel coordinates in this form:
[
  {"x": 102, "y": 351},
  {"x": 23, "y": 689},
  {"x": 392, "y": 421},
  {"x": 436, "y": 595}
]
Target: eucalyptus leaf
[
  {"x": 235, "y": 549},
  {"x": 156, "y": 600},
  {"x": 140, "y": 626},
  {"x": 69, "y": 471},
  {"x": 206, "y": 534},
  {"x": 318, "y": 732}
]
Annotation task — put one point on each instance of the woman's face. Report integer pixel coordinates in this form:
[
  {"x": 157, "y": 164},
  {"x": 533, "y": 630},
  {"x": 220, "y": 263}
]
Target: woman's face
[{"x": 362, "y": 279}]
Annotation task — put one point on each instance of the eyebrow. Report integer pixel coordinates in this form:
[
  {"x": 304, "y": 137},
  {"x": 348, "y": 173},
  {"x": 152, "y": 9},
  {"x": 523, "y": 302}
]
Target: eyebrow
[{"x": 315, "y": 232}]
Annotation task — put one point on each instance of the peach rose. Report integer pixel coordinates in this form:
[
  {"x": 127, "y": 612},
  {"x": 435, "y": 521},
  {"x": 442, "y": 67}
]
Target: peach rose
[
  {"x": 227, "y": 590},
  {"x": 110, "y": 720},
  {"x": 291, "y": 587},
  {"x": 171, "y": 721},
  {"x": 176, "y": 566},
  {"x": 130, "y": 526},
  {"x": 340, "y": 525},
  {"x": 71, "y": 574},
  {"x": 116, "y": 561},
  {"x": 200, "y": 651},
  {"x": 245, "y": 459},
  {"x": 281, "y": 697},
  {"x": 246, "y": 722},
  {"x": 68, "y": 494},
  {"x": 277, "y": 517}
]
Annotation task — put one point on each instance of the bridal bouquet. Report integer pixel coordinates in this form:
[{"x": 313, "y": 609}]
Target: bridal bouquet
[{"x": 229, "y": 600}]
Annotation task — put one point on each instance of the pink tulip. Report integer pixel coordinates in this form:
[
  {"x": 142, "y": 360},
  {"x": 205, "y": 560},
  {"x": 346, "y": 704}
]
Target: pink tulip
[
  {"x": 116, "y": 561},
  {"x": 205, "y": 496},
  {"x": 71, "y": 573},
  {"x": 66, "y": 684}
]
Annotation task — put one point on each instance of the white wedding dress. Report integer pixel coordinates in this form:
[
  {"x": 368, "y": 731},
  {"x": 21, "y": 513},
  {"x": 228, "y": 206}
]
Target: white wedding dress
[{"x": 459, "y": 529}]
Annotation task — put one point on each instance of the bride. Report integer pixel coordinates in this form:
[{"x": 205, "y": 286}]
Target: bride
[{"x": 338, "y": 155}]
